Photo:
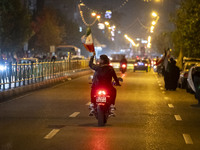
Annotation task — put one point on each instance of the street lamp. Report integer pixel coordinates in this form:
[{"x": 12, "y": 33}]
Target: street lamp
[
  {"x": 152, "y": 28},
  {"x": 106, "y": 23},
  {"x": 93, "y": 14},
  {"x": 130, "y": 40},
  {"x": 153, "y": 23},
  {"x": 154, "y": 14},
  {"x": 98, "y": 16}
]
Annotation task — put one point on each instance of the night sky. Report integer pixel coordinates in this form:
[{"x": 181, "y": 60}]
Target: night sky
[{"x": 135, "y": 15}]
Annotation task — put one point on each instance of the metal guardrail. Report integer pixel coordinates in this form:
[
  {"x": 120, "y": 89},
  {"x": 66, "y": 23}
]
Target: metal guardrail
[{"x": 16, "y": 75}]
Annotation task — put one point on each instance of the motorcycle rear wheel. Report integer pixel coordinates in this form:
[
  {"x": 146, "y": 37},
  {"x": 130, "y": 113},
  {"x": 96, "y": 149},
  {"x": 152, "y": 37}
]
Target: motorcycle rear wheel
[{"x": 101, "y": 116}]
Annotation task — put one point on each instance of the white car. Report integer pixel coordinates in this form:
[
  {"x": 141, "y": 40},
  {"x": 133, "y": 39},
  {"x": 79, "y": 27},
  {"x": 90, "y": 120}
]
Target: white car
[{"x": 190, "y": 86}]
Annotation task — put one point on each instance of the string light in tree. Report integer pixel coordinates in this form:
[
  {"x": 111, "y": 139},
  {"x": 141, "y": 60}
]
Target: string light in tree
[{"x": 93, "y": 15}]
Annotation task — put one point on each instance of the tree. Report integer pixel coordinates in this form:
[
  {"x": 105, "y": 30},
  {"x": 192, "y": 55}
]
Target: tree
[
  {"x": 15, "y": 27},
  {"x": 162, "y": 41},
  {"x": 48, "y": 31},
  {"x": 187, "y": 33}
]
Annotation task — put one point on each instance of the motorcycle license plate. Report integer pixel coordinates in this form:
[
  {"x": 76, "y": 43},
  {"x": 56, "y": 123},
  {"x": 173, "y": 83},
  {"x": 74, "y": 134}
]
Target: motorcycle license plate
[{"x": 101, "y": 99}]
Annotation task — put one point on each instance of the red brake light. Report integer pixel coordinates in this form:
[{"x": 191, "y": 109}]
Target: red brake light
[
  {"x": 123, "y": 65},
  {"x": 102, "y": 93}
]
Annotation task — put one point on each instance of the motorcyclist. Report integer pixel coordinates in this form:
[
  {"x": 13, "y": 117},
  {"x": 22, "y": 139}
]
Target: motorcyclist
[
  {"x": 123, "y": 61},
  {"x": 103, "y": 79}
]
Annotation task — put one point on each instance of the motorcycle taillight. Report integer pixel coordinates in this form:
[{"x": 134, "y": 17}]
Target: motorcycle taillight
[
  {"x": 123, "y": 65},
  {"x": 101, "y": 93}
]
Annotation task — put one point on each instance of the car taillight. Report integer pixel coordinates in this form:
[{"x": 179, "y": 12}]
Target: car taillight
[
  {"x": 101, "y": 93},
  {"x": 146, "y": 65},
  {"x": 123, "y": 65}
]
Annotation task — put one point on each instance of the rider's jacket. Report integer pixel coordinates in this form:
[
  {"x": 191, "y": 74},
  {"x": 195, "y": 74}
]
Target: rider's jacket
[{"x": 103, "y": 75}]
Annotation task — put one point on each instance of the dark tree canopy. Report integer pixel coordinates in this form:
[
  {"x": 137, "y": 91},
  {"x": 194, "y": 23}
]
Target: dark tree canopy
[{"x": 15, "y": 27}]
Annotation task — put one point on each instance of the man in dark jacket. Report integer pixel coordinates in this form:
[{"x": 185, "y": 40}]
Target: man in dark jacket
[{"x": 103, "y": 79}]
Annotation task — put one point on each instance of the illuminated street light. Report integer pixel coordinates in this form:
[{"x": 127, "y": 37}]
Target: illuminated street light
[
  {"x": 149, "y": 42},
  {"x": 82, "y": 4},
  {"x": 98, "y": 16},
  {"x": 106, "y": 23},
  {"x": 131, "y": 41},
  {"x": 154, "y": 14},
  {"x": 153, "y": 23},
  {"x": 93, "y": 14},
  {"x": 152, "y": 28}
]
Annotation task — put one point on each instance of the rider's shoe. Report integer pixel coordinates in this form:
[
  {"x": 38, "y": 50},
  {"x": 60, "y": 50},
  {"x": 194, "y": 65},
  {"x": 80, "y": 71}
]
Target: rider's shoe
[
  {"x": 112, "y": 107},
  {"x": 91, "y": 107},
  {"x": 112, "y": 110}
]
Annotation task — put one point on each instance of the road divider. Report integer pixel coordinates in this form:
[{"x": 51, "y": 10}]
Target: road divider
[
  {"x": 178, "y": 117},
  {"x": 171, "y": 105},
  {"x": 43, "y": 84},
  {"x": 166, "y": 98},
  {"x": 187, "y": 138},
  {"x": 75, "y": 114},
  {"x": 88, "y": 103},
  {"x": 51, "y": 134}
]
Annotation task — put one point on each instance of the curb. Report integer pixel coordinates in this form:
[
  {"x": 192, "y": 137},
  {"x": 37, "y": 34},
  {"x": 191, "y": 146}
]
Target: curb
[{"x": 40, "y": 85}]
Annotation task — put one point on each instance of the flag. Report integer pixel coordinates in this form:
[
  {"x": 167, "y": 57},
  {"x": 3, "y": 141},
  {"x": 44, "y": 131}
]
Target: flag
[
  {"x": 87, "y": 40},
  {"x": 180, "y": 60}
]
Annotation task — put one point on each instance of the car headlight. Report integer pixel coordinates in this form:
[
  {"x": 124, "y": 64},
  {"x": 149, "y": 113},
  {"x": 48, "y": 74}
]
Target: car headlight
[{"x": 2, "y": 67}]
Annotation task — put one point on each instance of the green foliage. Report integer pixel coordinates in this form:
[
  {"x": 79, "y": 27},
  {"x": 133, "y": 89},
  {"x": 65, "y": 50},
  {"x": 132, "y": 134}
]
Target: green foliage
[
  {"x": 162, "y": 41},
  {"x": 15, "y": 27},
  {"x": 48, "y": 31},
  {"x": 187, "y": 33}
]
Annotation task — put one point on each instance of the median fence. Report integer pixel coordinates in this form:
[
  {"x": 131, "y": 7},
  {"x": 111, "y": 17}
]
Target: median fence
[{"x": 16, "y": 75}]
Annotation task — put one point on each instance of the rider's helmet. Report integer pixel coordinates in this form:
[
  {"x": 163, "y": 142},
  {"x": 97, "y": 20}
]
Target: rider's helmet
[{"x": 105, "y": 59}]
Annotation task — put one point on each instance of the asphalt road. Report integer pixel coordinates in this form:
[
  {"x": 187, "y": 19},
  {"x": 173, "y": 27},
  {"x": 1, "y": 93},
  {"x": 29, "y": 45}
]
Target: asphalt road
[{"x": 56, "y": 118}]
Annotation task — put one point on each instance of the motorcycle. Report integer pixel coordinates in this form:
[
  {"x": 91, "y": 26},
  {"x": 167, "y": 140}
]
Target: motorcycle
[
  {"x": 123, "y": 68},
  {"x": 102, "y": 105}
]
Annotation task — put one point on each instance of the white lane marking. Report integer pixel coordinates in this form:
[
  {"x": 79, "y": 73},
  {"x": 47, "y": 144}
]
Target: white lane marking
[
  {"x": 51, "y": 134},
  {"x": 187, "y": 138},
  {"x": 160, "y": 84},
  {"x": 162, "y": 88},
  {"x": 88, "y": 103},
  {"x": 178, "y": 117},
  {"x": 163, "y": 92},
  {"x": 171, "y": 105},
  {"x": 69, "y": 79},
  {"x": 74, "y": 114},
  {"x": 166, "y": 98}
]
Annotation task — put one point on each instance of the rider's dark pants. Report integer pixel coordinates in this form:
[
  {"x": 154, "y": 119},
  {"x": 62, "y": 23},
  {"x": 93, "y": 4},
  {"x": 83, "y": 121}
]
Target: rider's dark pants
[{"x": 112, "y": 92}]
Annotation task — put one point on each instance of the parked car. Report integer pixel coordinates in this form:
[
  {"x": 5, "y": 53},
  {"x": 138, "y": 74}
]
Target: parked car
[
  {"x": 190, "y": 81},
  {"x": 182, "y": 82}
]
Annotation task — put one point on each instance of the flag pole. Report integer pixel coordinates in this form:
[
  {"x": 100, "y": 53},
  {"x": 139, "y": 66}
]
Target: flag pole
[{"x": 95, "y": 57}]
